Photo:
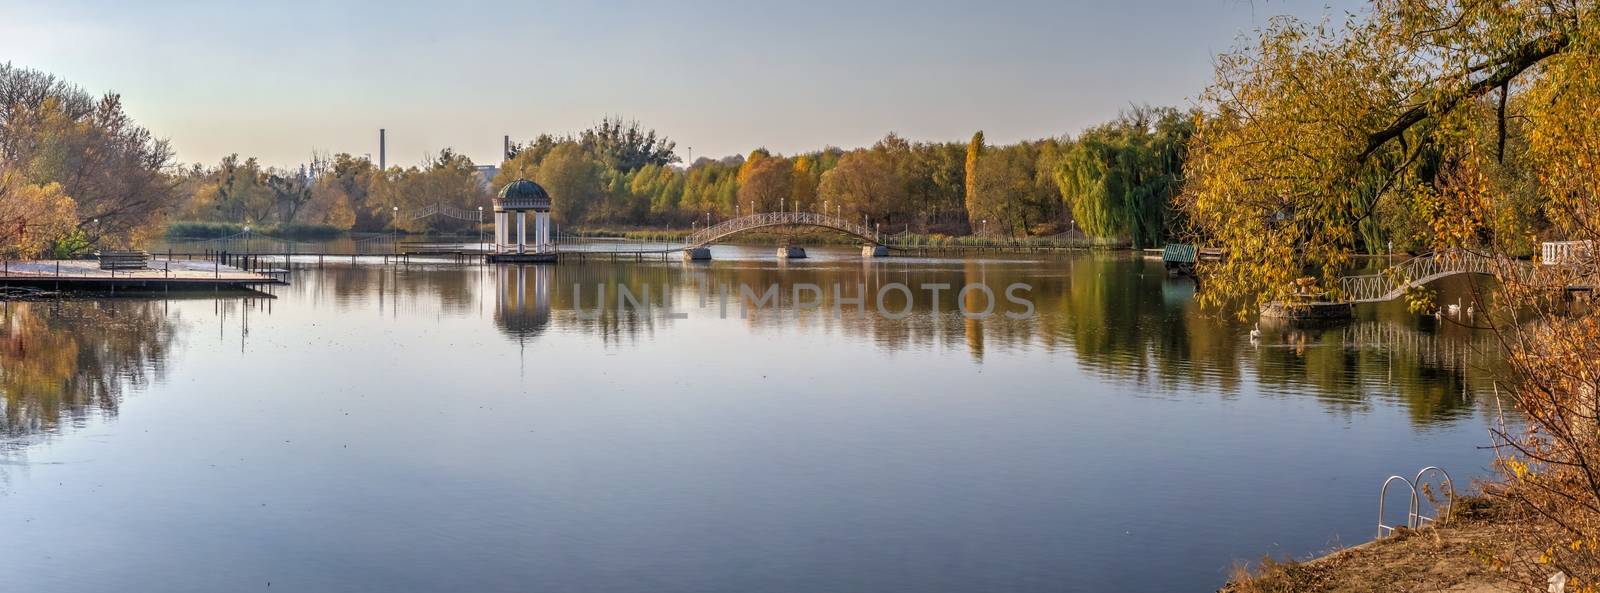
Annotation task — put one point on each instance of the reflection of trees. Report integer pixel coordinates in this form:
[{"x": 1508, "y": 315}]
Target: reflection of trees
[
  {"x": 1127, "y": 320},
  {"x": 61, "y": 362},
  {"x": 1435, "y": 375},
  {"x": 1121, "y": 318},
  {"x": 451, "y": 288}
]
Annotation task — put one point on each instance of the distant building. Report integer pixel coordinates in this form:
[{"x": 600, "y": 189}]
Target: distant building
[{"x": 486, "y": 175}]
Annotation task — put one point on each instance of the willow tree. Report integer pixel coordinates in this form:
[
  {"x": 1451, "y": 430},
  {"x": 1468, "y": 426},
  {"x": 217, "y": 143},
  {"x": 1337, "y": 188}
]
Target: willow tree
[
  {"x": 1119, "y": 178},
  {"x": 1452, "y": 113},
  {"x": 1314, "y": 129}
]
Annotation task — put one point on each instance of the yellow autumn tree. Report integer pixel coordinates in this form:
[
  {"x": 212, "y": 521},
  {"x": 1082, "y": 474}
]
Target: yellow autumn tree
[
  {"x": 33, "y": 217},
  {"x": 803, "y": 190},
  {"x": 1311, "y": 131},
  {"x": 1471, "y": 124}
]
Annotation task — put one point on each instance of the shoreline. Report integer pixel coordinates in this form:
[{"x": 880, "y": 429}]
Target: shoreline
[{"x": 1447, "y": 557}]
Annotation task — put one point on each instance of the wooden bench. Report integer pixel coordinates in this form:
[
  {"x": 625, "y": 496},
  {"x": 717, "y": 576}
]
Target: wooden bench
[{"x": 123, "y": 260}]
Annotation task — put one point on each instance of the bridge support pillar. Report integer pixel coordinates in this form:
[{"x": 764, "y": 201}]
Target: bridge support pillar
[
  {"x": 791, "y": 252},
  {"x": 697, "y": 254},
  {"x": 874, "y": 251}
]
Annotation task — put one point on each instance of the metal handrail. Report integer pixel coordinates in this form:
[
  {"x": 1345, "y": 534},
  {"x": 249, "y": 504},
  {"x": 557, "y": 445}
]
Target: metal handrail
[
  {"x": 1414, "y": 517},
  {"x": 1447, "y": 485},
  {"x": 1383, "y": 496}
]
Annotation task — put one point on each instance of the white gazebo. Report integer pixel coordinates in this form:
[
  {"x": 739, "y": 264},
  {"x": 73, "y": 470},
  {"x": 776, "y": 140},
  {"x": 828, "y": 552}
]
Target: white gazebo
[{"x": 511, "y": 209}]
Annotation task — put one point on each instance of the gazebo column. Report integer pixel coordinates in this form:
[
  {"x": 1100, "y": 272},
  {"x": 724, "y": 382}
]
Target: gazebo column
[
  {"x": 499, "y": 227},
  {"x": 522, "y": 231},
  {"x": 538, "y": 231},
  {"x": 543, "y": 236},
  {"x": 502, "y": 229}
]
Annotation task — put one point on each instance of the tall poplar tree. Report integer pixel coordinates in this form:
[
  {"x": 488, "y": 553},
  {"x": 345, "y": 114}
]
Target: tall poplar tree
[{"x": 974, "y": 150}]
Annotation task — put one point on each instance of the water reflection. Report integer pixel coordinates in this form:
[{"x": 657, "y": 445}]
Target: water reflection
[
  {"x": 522, "y": 300},
  {"x": 63, "y": 362},
  {"x": 1117, "y": 430},
  {"x": 1123, "y": 321},
  {"x": 1118, "y": 318}
]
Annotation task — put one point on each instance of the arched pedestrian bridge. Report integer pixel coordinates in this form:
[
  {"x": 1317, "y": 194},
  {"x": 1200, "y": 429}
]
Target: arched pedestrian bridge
[
  {"x": 728, "y": 228},
  {"x": 1563, "y": 266},
  {"x": 1569, "y": 273},
  {"x": 1394, "y": 281}
]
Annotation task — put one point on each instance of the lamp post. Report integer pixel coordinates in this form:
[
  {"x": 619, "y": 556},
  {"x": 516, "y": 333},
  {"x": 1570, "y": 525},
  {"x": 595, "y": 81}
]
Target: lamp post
[
  {"x": 480, "y": 227},
  {"x": 396, "y": 223}
]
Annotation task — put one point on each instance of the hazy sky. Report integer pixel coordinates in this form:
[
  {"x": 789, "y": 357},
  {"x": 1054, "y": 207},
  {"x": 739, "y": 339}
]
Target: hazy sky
[{"x": 279, "y": 79}]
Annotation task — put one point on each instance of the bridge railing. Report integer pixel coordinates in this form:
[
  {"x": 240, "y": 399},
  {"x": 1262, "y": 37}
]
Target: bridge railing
[
  {"x": 446, "y": 211},
  {"x": 766, "y": 219},
  {"x": 1393, "y": 281}
]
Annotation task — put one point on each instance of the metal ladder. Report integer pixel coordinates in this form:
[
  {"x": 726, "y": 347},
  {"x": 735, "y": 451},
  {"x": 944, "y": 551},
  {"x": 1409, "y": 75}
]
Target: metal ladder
[{"x": 1414, "y": 517}]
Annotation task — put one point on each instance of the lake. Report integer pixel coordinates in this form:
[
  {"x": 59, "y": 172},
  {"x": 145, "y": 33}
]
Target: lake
[{"x": 443, "y": 427}]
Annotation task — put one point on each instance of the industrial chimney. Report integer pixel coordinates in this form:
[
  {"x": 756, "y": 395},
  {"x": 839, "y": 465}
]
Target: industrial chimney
[
  {"x": 505, "y": 153},
  {"x": 382, "y": 154}
]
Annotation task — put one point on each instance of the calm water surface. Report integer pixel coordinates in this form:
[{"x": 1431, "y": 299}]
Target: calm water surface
[{"x": 440, "y": 427}]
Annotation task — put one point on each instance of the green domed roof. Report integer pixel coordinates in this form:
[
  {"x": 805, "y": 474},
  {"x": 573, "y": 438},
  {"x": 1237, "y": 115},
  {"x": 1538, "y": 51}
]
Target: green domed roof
[{"x": 522, "y": 195}]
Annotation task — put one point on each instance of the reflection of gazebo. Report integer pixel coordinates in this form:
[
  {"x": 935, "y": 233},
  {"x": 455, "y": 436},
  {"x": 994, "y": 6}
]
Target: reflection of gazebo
[
  {"x": 511, "y": 208},
  {"x": 522, "y": 300}
]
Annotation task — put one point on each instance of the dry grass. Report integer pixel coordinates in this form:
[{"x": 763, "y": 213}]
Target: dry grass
[{"x": 1458, "y": 557}]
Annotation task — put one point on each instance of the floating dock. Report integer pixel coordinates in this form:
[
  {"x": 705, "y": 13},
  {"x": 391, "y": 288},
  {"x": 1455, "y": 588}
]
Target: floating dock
[{"x": 79, "y": 275}]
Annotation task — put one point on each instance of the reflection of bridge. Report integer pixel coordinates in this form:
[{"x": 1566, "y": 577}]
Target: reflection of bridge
[
  {"x": 1430, "y": 347},
  {"x": 728, "y": 228}
]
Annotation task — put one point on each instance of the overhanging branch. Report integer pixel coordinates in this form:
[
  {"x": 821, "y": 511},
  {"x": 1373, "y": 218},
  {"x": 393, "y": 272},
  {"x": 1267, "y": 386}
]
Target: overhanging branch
[{"x": 1523, "y": 58}]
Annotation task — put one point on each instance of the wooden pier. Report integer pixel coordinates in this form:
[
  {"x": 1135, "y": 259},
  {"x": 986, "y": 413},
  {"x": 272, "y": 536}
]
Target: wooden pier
[{"x": 161, "y": 275}]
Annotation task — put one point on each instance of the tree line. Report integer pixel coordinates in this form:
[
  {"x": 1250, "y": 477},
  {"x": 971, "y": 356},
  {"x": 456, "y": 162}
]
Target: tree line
[
  {"x": 76, "y": 173},
  {"x": 1116, "y": 180}
]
